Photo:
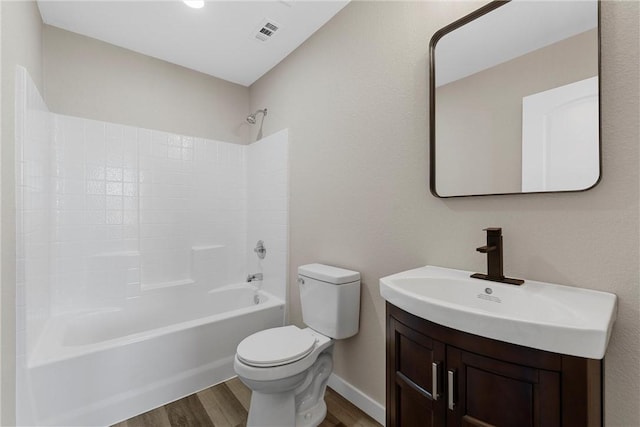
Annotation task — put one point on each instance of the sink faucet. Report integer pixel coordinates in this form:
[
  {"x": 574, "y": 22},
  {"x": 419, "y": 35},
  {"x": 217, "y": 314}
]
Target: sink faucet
[
  {"x": 252, "y": 277},
  {"x": 493, "y": 249}
]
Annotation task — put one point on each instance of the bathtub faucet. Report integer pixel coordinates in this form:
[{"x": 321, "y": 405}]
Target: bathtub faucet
[{"x": 252, "y": 277}]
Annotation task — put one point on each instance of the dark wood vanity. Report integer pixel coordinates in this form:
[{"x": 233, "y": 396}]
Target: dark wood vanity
[{"x": 438, "y": 376}]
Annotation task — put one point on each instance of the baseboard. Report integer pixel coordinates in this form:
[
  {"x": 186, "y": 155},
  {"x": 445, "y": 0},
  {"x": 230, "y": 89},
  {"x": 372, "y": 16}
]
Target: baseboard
[{"x": 358, "y": 398}]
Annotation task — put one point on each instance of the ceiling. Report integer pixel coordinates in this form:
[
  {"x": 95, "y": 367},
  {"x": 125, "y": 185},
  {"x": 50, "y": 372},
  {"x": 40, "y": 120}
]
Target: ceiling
[{"x": 218, "y": 39}]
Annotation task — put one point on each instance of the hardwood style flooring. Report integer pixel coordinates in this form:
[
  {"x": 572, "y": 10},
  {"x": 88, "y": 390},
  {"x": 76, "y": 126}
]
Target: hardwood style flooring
[{"x": 226, "y": 405}]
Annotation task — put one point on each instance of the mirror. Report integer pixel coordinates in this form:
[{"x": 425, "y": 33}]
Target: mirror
[{"x": 514, "y": 100}]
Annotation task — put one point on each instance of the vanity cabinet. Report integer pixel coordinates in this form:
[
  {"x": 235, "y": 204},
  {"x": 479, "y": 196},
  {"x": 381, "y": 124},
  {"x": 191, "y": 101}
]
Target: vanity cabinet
[{"x": 438, "y": 376}]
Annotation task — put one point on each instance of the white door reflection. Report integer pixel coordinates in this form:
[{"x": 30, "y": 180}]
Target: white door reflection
[{"x": 560, "y": 138}]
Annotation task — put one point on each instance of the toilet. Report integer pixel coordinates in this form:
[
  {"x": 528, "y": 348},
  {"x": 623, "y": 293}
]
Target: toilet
[{"x": 287, "y": 368}]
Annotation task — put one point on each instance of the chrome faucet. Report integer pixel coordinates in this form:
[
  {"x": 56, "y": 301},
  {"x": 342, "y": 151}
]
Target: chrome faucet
[
  {"x": 252, "y": 277},
  {"x": 493, "y": 249}
]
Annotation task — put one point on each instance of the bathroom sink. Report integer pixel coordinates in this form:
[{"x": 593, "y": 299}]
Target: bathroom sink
[{"x": 560, "y": 319}]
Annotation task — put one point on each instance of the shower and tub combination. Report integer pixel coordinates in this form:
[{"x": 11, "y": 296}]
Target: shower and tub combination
[{"x": 133, "y": 250}]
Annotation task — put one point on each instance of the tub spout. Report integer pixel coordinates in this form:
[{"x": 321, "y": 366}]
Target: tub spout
[{"x": 252, "y": 277}]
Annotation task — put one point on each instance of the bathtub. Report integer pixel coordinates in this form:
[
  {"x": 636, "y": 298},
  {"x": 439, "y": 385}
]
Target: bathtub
[{"x": 104, "y": 366}]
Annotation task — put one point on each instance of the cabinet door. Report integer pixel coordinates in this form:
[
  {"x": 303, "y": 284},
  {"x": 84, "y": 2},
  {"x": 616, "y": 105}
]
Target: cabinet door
[
  {"x": 415, "y": 397},
  {"x": 489, "y": 392}
]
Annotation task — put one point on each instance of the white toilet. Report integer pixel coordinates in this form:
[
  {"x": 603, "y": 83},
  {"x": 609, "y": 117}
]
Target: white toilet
[{"x": 287, "y": 368}]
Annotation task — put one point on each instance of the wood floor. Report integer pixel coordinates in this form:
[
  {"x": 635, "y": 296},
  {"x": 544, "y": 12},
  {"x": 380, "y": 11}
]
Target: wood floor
[{"x": 226, "y": 405}]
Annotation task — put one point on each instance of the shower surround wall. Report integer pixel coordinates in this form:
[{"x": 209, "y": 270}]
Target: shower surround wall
[
  {"x": 33, "y": 224},
  {"x": 268, "y": 209},
  {"x": 95, "y": 208},
  {"x": 139, "y": 209},
  {"x": 108, "y": 213}
]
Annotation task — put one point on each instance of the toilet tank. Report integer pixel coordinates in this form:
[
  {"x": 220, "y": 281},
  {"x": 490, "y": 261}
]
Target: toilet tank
[{"x": 330, "y": 299}]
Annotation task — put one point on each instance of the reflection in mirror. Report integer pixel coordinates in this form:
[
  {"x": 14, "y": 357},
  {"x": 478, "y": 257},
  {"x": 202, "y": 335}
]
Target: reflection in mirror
[{"x": 515, "y": 100}]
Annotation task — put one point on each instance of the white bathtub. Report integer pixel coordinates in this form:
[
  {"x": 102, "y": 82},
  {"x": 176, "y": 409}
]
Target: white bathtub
[{"x": 102, "y": 367}]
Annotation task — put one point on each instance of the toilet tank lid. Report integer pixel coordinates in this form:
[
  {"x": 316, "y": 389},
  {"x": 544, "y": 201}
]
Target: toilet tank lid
[{"x": 329, "y": 274}]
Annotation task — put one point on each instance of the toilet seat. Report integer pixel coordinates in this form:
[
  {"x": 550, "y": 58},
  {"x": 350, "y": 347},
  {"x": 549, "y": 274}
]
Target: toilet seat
[{"x": 276, "y": 347}]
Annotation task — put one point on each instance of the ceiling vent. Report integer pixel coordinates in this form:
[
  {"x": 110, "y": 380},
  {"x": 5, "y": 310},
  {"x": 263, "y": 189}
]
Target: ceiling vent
[{"x": 267, "y": 30}]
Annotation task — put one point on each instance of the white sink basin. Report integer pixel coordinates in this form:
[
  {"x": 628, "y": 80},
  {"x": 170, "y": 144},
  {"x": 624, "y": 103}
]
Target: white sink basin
[{"x": 556, "y": 318}]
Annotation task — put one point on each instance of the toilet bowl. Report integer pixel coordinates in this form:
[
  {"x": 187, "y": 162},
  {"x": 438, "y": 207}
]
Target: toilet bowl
[
  {"x": 288, "y": 377},
  {"x": 287, "y": 368}
]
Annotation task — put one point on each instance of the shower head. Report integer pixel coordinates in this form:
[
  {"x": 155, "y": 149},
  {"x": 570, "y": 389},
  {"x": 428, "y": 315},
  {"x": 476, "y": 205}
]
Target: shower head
[{"x": 251, "y": 118}]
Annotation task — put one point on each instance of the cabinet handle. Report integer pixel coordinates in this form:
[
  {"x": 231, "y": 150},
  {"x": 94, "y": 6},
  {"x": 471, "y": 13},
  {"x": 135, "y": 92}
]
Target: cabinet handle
[
  {"x": 451, "y": 384},
  {"x": 435, "y": 373},
  {"x": 451, "y": 381}
]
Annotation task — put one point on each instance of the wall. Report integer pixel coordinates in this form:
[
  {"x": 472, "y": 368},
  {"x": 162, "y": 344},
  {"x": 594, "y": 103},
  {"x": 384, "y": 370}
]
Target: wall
[
  {"x": 354, "y": 98},
  {"x": 490, "y": 101},
  {"x": 85, "y": 77},
  {"x": 21, "y": 44}
]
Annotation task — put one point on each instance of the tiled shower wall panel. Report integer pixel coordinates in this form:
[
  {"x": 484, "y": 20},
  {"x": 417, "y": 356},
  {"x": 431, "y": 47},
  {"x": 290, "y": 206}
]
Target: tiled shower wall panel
[
  {"x": 33, "y": 141},
  {"x": 95, "y": 209},
  {"x": 267, "y": 209},
  {"x": 129, "y": 206},
  {"x": 166, "y": 189},
  {"x": 219, "y": 206},
  {"x": 33, "y": 223},
  {"x": 192, "y": 194}
]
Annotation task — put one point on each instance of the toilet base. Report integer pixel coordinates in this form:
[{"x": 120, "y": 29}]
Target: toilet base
[
  {"x": 312, "y": 417},
  {"x": 303, "y": 406},
  {"x": 262, "y": 414}
]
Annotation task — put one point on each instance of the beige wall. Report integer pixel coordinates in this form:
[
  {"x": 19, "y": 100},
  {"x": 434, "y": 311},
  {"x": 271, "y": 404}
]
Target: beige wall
[
  {"x": 354, "y": 98},
  {"x": 88, "y": 78},
  {"x": 485, "y": 155},
  {"x": 21, "y": 29}
]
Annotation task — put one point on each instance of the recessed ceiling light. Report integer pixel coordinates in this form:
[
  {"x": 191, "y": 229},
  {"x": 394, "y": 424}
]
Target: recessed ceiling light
[{"x": 196, "y": 4}]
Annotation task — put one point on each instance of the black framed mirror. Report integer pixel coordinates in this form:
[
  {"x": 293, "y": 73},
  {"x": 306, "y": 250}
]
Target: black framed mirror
[{"x": 515, "y": 100}]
